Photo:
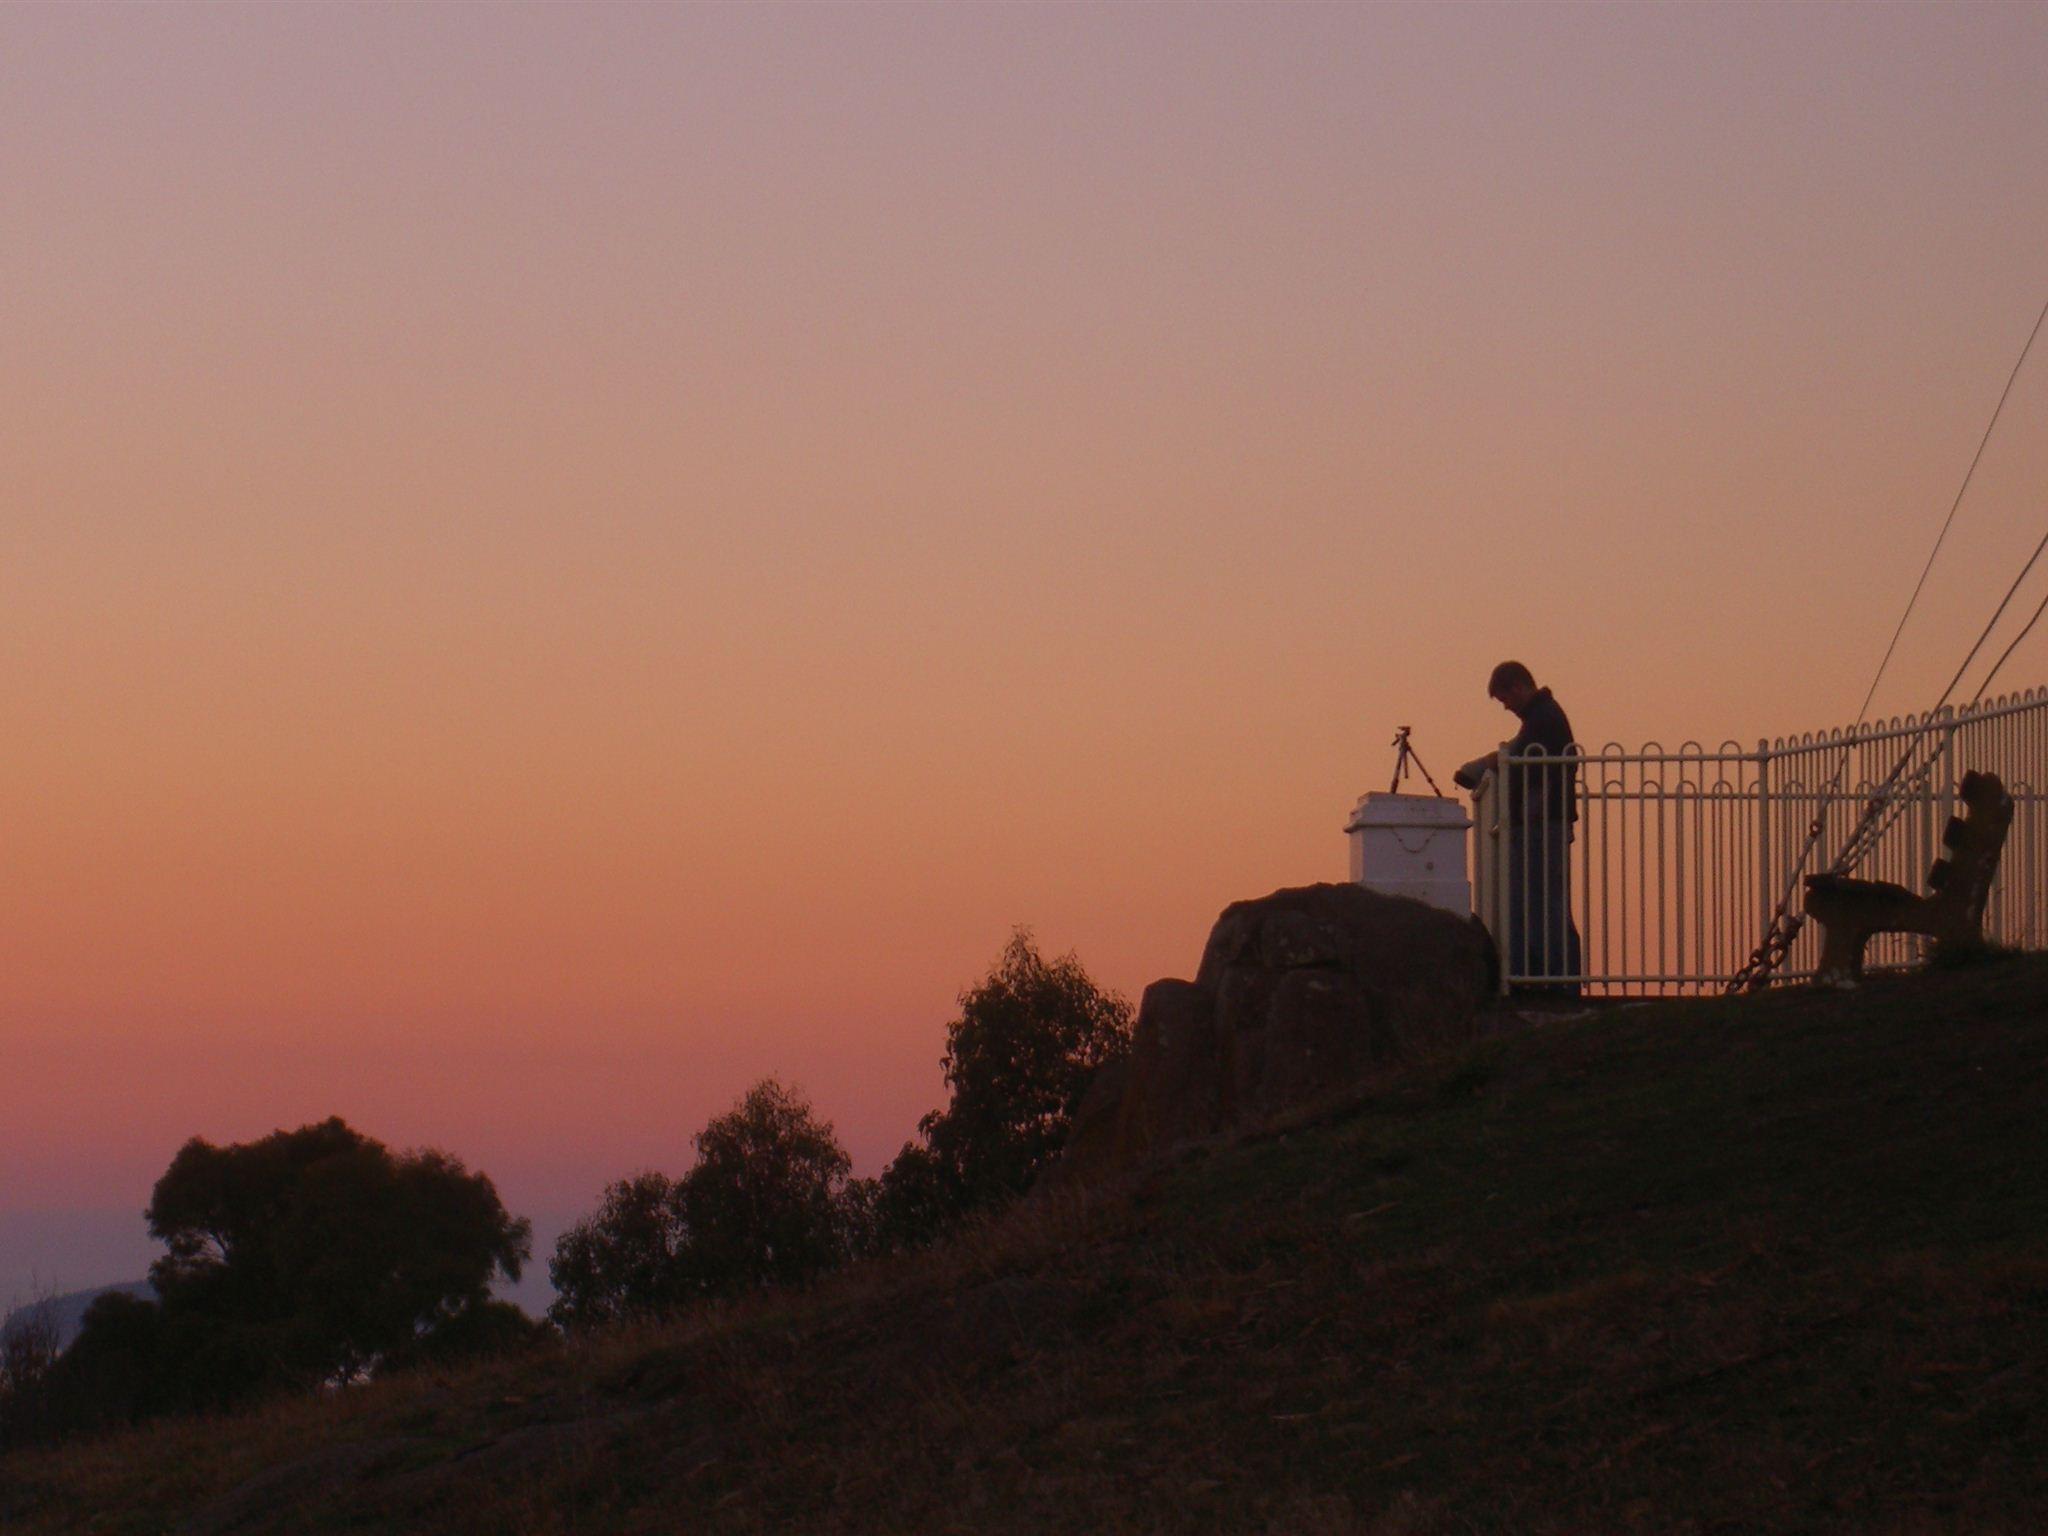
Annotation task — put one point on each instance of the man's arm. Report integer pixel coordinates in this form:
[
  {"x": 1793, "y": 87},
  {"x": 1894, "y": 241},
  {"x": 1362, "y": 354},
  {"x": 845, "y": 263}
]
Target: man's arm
[{"x": 1469, "y": 774}]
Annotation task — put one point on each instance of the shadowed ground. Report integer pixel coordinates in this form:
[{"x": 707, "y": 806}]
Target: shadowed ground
[{"x": 1771, "y": 1264}]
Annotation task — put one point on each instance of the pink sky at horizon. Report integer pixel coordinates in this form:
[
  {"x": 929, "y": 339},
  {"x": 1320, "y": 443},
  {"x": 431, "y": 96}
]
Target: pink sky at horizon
[{"x": 552, "y": 567}]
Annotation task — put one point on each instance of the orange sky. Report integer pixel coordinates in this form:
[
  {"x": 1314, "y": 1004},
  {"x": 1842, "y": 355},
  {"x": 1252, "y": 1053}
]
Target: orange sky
[{"x": 554, "y": 562}]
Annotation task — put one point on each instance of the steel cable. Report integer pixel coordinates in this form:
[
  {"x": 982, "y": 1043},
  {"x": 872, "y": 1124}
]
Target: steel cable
[
  {"x": 1785, "y": 924},
  {"x": 2006, "y": 656},
  {"x": 1879, "y": 815},
  {"x": 1997, "y": 614},
  {"x": 1949, "y": 522}
]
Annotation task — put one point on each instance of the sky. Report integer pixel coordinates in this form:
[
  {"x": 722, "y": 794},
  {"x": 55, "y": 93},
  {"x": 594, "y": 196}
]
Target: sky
[{"x": 557, "y": 561}]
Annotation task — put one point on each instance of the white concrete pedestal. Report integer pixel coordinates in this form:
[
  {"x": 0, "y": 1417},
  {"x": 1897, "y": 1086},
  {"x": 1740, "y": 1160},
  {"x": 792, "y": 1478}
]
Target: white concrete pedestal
[{"x": 1412, "y": 845}]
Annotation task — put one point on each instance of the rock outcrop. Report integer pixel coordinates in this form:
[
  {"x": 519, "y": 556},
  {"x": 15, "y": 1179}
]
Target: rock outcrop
[{"x": 1298, "y": 995}]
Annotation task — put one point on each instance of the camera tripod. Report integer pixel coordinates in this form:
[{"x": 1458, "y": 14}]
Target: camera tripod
[{"x": 1405, "y": 756}]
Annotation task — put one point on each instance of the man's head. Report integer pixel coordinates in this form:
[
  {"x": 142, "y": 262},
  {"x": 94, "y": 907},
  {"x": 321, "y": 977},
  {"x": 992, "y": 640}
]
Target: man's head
[{"x": 1512, "y": 685}]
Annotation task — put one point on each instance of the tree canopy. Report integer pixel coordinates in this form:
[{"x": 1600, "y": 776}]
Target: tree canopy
[
  {"x": 310, "y": 1256},
  {"x": 1030, "y": 1036},
  {"x": 628, "y": 1257},
  {"x": 333, "y": 1246},
  {"x": 767, "y": 1203},
  {"x": 763, "y": 1200}
]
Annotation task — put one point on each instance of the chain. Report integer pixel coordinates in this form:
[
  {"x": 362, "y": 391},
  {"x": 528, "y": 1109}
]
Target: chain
[
  {"x": 1880, "y": 812},
  {"x": 1755, "y": 974}
]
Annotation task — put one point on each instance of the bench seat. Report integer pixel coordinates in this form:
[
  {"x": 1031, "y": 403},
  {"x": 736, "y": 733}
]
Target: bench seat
[{"x": 1852, "y": 911}]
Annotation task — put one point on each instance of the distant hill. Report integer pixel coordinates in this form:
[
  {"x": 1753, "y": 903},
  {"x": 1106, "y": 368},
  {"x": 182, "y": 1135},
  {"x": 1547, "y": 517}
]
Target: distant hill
[
  {"x": 67, "y": 1311},
  {"x": 1765, "y": 1264}
]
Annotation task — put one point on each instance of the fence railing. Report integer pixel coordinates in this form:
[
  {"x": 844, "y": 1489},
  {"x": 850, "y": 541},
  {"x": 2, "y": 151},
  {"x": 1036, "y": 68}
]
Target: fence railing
[{"x": 1677, "y": 859}]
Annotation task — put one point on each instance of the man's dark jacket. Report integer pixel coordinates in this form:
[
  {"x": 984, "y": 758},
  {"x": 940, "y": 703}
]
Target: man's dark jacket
[{"x": 1544, "y": 726}]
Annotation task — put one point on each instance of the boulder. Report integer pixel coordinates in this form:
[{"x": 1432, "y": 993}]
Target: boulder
[{"x": 1299, "y": 995}]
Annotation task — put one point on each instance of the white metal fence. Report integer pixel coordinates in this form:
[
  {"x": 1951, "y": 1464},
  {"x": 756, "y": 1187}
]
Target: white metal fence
[{"x": 1678, "y": 858}]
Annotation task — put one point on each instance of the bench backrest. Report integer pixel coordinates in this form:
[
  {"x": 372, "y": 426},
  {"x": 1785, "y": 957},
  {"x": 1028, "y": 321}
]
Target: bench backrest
[{"x": 1960, "y": 880}]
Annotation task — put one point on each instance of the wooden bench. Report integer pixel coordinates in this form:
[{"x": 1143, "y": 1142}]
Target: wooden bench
[{"x": 1952, "y": 913}]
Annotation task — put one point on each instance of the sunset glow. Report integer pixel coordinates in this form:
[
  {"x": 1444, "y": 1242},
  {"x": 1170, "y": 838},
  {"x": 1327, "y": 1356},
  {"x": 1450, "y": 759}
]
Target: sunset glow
[{"x": 558, "y": 561}]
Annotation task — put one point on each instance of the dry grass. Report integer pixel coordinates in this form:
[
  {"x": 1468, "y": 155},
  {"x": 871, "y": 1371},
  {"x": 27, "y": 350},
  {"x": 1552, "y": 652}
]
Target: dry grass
[{"x": 1779, "y": 1264}]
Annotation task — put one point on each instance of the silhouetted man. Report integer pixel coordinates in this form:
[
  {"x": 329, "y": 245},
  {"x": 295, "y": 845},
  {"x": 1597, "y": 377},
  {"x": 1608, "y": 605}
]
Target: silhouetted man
[{"x": 1542, "y": 804}]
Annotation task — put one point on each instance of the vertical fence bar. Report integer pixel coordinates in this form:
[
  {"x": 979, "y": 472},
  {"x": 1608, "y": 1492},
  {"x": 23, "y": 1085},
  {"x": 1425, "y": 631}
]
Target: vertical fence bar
[
  {"x": 1504, "y": 857},
  {"x": 1586, "y": 873},
  {"x": 1610, "y": 781},
  {"x": 1766, "y": 880},
  {"x": 1939, "y": 806}
]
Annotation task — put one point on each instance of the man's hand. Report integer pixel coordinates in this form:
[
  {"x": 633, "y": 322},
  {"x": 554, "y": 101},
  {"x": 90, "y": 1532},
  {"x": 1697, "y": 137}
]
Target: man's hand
[{"x": 1469, "y": 775}]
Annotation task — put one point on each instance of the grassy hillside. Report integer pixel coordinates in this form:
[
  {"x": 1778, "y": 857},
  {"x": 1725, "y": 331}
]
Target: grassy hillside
[{"x": 1774, "y": 1264}]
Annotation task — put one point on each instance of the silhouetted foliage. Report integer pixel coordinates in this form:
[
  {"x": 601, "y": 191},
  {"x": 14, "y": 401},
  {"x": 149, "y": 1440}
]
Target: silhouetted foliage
[
  {"x": 768, "y": 1203},
  {"x": 310, "y": 1256},
  {"x": 119, "y": 1369},
  {"x": 489, "y": 1328},
  {"x": 860, "y": 1217},
  {"x": 28, "y": 1350},
  {"x": 327, "y": 1245},
  {"x": 626, "y": 1259},
  {"x": 764, "y": 1199},
  {"x": 1030, "y": 1037},
  {"x": 922, "y": 1193}
]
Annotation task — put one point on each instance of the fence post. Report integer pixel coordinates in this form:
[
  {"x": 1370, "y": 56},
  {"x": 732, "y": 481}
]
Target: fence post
[
  {"x": 1938, "y": 822},
  {"x": 1498, "y": 873},
  {"x": 1504, "y": 895},
  {"x": 1766, "y": 884},
  {"x": 1939, "y": 802}
]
